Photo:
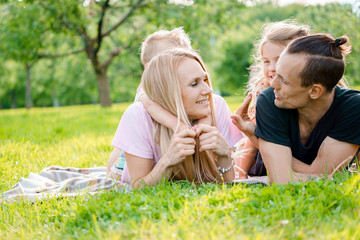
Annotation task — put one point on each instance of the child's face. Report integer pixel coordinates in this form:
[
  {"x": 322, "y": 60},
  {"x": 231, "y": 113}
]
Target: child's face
[{"x": 270, "y": 54}]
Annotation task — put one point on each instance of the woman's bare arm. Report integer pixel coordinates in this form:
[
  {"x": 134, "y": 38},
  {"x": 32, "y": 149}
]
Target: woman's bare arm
[{"x": 143, "y": 173}]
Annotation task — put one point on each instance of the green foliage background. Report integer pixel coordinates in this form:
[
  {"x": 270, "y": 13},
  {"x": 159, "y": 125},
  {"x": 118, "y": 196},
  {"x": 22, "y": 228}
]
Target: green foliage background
[{"x": 222, "y": 31}]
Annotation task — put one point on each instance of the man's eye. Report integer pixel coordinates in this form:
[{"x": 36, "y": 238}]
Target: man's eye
[
  {"x": 194, "y": 84},
  {"x": 266, "y": 62}
]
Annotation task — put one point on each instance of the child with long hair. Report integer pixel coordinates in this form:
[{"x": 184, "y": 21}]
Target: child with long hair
[{"x": 274, "y": 38}]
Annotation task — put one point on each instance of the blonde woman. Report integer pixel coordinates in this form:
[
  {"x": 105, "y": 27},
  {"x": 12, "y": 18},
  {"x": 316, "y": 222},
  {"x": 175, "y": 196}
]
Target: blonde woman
[{"x": 178, "y": 81}]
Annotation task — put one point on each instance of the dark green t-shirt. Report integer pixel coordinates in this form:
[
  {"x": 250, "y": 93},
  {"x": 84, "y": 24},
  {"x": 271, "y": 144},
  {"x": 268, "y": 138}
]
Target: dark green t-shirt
[{"x": 281, "y": 126}]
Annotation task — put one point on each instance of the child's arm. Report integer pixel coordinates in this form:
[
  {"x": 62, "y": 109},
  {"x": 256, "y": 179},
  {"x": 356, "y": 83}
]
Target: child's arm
[
  {"x": 160, "y": 114},
  {"x": 246, "y": 160},
  {"x": 112, "y": 159}
]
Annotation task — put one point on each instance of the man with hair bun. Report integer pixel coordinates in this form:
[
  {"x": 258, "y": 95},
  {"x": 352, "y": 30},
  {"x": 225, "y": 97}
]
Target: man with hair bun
[{"x": 306, "y": 125}]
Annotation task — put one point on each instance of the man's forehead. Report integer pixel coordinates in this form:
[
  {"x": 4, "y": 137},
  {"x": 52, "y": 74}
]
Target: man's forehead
[{"x": 291, "y": 63}]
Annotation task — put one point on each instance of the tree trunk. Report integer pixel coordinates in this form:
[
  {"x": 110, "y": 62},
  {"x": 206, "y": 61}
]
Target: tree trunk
[
  {"x": 28, "y": 85},
  {"x": 54, "y": 97},
  {"x": 104, "y": 88},
  {"x": 13, "y": 99},
  {"x": 53, "y": 84}
]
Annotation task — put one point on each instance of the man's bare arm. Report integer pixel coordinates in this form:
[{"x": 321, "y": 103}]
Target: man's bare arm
[
  {"x": 333, "y": 154},
  {"x": 277, "y": 159}
]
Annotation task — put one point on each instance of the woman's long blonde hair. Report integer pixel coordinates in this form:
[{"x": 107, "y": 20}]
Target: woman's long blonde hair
[{"x": 161, "y": 83}]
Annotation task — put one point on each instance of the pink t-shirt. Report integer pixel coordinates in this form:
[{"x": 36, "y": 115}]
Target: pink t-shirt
[{"x": 134, "y": 134}]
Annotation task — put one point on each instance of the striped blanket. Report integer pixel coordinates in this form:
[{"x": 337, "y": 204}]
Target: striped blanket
[{"x": 57, "y": 181}]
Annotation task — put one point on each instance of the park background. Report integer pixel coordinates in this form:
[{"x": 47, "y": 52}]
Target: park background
[
  {"x": 52, "y": 55},
  {"x": 59, "y": 53}
]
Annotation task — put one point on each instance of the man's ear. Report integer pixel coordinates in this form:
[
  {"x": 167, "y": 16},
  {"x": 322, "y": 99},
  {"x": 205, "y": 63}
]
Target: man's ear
[{"x": 316, "y": 91}]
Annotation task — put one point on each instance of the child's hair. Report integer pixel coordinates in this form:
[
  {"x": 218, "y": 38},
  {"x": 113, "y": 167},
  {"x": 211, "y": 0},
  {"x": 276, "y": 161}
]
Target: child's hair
[
  {"x": 154, "y": 43},
  {"x": 280, "y": 33},
  {"x": 160, "y": 78}
]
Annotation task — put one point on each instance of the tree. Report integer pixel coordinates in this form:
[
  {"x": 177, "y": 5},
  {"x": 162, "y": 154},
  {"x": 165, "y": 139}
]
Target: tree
[
  {"x": 108, "y": 28},
  {"x": 26, "y": 36},
  {"x": 23, "y": 44}
]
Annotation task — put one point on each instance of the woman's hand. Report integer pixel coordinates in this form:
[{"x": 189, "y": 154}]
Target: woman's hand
[
  {"x": 182, "y": 144},
  {"x": 211, "y": 139}
]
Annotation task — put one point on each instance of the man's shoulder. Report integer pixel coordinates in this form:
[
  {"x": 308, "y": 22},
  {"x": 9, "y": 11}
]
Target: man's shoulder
[
  {"x": 347, "y": 93},
  {"x": 347, "y": 98},
  {"x": 266, "y": 100},
  {"x": 267, "y": 93}
]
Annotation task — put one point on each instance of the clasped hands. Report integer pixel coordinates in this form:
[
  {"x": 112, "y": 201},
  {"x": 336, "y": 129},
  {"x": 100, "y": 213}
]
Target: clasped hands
[{"x": 183, "y": 143}]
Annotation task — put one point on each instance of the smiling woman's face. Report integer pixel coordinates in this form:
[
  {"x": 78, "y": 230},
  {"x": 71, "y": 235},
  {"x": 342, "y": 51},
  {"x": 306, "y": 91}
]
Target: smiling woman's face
[{"x": 195, "y": 89}]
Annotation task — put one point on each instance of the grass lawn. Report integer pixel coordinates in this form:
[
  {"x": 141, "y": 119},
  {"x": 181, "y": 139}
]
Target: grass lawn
[{"x": 80, "y": 136}]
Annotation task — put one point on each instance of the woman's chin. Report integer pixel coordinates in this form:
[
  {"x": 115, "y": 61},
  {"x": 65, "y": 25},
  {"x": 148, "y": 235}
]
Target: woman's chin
[{"x": 199, "y": 115}]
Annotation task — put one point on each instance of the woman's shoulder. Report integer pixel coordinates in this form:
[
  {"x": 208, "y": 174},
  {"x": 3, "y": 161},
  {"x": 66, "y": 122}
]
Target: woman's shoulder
[
  {"x": 219, "y": 101},
  {"x": 136, "y": 111}
]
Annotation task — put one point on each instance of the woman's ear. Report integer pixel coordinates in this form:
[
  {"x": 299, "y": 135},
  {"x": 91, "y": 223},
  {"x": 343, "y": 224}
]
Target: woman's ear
[{"x": 316, "y": 91}]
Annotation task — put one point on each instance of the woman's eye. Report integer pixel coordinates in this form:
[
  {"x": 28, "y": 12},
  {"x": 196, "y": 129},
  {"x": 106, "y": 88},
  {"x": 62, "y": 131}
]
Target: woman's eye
[
  {"x": 194, "y": 84},
  {"x": 266, "y": 62}
]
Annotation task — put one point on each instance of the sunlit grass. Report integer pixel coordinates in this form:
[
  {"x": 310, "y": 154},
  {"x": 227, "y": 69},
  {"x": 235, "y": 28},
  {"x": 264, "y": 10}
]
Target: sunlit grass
[{"x": 80, "y": 136}]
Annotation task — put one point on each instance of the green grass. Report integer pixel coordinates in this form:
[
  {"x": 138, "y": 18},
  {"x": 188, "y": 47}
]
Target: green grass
[{"x": 80, "y": 136}]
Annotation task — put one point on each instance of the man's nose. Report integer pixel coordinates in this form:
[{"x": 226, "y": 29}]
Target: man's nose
[{"x": 274, "y": 82}]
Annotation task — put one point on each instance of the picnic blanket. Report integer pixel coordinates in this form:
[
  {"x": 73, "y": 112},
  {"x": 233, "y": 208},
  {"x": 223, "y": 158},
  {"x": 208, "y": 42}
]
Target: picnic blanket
[
  {"x": 263, "y": 180},
  {"x": 58, "y": 181}
]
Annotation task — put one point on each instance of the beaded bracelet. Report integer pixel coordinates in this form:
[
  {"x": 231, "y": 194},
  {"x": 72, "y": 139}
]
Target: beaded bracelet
[{"x": 224, "y": 170}]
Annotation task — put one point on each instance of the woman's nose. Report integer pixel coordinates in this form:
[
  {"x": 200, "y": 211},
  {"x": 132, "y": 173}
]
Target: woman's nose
[{"x": 206, "y": 89}]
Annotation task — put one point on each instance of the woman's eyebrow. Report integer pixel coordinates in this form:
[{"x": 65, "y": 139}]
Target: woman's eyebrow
[{"x": 197, "y": 78}]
